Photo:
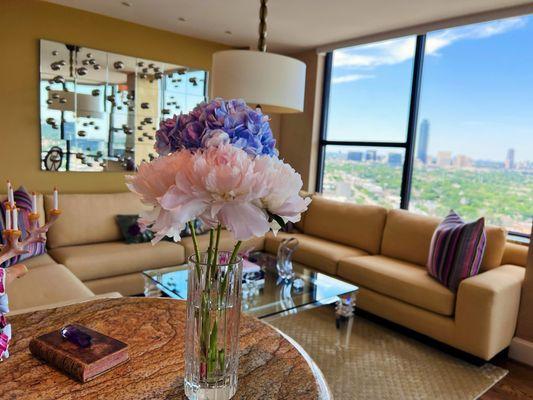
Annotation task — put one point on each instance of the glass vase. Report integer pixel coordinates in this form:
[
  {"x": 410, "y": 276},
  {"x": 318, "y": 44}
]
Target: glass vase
[
  {"x": 212, "y": 329},
  {"x": 284, "y": 258}
]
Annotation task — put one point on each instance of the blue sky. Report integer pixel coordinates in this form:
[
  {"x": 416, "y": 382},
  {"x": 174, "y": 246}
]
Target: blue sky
[{"x": 477, "y": 90}]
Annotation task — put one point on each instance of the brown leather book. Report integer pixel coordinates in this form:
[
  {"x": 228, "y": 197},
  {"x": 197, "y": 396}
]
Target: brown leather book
[{"x": 83, "y": 364}]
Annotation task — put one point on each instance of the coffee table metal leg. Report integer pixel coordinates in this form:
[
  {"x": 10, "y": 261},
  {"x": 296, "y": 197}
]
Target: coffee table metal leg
[
  {"x": 150, "y": 288},
  {"x": 344, "y": 309}
]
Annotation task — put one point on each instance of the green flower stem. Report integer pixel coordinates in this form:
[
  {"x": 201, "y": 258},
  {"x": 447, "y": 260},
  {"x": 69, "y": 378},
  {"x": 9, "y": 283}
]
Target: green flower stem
[
  {"x": 215, "y": 358},
  {"x": 235, "y": 252},
  {"x": 196, "y": 250},
  {"x": 215, "y": 255},
  {"x": 210, "y": 248}
]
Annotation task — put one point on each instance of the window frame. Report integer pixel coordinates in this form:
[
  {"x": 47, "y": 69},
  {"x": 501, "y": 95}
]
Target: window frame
[{"x": 408, "y": 145}]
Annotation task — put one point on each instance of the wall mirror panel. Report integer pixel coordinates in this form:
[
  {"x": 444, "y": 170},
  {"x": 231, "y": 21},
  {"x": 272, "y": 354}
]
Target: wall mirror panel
[{"x": 100, "y": 111}]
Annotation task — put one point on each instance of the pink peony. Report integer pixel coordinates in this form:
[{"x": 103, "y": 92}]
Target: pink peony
[
  {"x": 283, "y": 185},
  {"x": 220, "y": 184},
  {"x": 218, "y": 187}
]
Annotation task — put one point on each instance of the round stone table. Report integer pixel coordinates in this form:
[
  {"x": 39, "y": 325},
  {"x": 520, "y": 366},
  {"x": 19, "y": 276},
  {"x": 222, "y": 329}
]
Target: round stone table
[{"x": 272, "y": 366}]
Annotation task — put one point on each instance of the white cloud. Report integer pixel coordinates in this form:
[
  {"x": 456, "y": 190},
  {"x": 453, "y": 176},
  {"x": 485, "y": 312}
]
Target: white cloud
[
  {"x": 396, "y": 51},
  {"x": 375, "y": 54},
  {"x": 446, "y": 37},
  {"x": 350, "y": 78}
]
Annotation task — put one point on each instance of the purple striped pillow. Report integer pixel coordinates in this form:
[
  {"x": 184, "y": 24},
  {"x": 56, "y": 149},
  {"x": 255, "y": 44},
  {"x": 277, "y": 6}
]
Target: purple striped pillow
[
  {"x": 456, "y": 250},
  {"x": 23, "y": 200}
]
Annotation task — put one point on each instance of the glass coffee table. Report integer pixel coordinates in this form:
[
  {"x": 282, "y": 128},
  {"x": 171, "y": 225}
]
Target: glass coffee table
[{"x": 264, "y": 294}]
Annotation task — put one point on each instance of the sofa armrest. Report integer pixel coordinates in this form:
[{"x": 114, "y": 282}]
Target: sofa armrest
[{"x": 487, "y": 309}]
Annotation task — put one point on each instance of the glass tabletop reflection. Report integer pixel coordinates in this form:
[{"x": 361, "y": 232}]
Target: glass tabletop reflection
[{"x": 264, "y": 294}]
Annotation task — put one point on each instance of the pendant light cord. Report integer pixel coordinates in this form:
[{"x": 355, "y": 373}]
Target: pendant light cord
[{"x": 263, "y": 12}]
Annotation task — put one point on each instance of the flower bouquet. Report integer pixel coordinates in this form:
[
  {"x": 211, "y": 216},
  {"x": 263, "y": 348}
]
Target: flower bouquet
[{"x": 217, "y": 164}]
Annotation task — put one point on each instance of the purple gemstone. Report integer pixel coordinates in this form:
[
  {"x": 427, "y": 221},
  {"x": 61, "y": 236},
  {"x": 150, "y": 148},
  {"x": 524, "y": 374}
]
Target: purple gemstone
[{"x": 76, "y": 336}]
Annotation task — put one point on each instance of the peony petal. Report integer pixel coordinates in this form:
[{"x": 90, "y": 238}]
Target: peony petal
[{"x": 244, "y": 220}]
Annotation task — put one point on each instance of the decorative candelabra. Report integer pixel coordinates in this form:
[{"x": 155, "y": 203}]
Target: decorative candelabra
[{"x": 15, "y": 246}]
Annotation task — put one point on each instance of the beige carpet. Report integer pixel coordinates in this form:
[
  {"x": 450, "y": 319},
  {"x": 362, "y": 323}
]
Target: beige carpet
[{"x": 375, "y": 362}]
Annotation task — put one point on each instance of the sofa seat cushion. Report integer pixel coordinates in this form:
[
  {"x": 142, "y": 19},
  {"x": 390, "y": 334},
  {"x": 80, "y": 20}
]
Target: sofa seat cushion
[
  {"x": 102, "y": 260},
  {"x": 39, "y": 261},
  {"x": 320, "y": 254},
  {"x": 401, "y": 280},
  {"x": 227, "y": 242},
  {"x": 46, "y": 285}
]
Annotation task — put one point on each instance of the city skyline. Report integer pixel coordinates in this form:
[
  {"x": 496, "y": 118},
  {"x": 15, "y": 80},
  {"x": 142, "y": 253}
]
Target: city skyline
[
  {"x": 457, "y": 160},
  {"x": 478, "y": 103}
]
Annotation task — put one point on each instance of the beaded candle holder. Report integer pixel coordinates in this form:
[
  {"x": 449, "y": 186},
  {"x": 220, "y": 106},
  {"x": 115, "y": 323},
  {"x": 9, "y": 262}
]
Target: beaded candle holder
[{"x": 15, "y": 246}]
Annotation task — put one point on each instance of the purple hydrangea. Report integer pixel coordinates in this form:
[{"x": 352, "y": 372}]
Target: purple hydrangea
[{"x": 246, "y": 128}]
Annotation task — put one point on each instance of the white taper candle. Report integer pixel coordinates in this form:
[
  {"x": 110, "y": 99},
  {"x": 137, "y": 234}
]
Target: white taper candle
[
  {"x": 15, "y": 213},
  {"x": 8, "y": 219},
  {"x": 56, "y": 199},
  {"x": 10, "y": 194},
  {"x": 34, "y": 203}
]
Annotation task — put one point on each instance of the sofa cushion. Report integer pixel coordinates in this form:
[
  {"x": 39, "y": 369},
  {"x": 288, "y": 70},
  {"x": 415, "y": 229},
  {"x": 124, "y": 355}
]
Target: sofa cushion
[
  {"x": 355, "y": 225},
  {"x": 127, "y": 285},
  {"x": 317, "y": 253},
  {"x": 456, "y": 250},
  {"x": 82, "y": 299},
  {"x": 89, "y": 218},
  {"x": 46, "y": 285},
  {"x": 131, "y": 230},
  {"x": 102, "y": 260},
  {"x": 515, "y": 254},
  {"x": 399, "y": 279},
  {"x": 407, "y": 236},
  {"x": 227, "y": 242},
  {"x": 39, "y": 261}
]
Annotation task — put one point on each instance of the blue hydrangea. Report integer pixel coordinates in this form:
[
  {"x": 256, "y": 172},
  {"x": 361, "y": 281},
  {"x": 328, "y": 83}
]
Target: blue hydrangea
[{"x": 246, "y": 128}]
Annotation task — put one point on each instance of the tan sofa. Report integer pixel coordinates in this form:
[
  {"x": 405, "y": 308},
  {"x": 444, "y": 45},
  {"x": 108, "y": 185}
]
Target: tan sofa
[
  {"x": 87, "y": 256},
  {"x": 384, "y": 252}
]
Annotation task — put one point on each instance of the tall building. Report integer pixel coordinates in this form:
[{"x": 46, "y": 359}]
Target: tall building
[
  {"x": 371, "y": 155},
  {"x": 444, "y": 158},
  {"x": 462, "y": 161},
  {"x": 395, "y": 159},
  {"x": 355, "y": 156},
  {"x": 509, "y": 160},
  {"x": 423, "y": 140}
]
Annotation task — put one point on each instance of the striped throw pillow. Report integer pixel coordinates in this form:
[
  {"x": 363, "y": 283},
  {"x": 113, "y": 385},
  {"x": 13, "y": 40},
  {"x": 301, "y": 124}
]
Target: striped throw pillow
[
  {"x": 23, "y": 201},
  {"x": 456, "y": 250}
]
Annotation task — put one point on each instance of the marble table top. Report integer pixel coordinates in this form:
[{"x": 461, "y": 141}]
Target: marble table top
[{"x": 272, "y": 366}]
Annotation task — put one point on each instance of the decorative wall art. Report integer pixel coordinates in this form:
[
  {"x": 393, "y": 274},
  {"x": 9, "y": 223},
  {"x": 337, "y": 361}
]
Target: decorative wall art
[{"x": 100, "y": 111}]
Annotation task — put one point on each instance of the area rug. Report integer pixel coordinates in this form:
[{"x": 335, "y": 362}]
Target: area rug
[{"x": 375, "y": 362}]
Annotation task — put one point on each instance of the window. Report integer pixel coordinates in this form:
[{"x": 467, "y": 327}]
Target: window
[
  {"x": 364, "y": 146},
  {"x": 455, "y": 133},
  {"x": 370, "y": 92},
  {"x": 363, "y": 175}
]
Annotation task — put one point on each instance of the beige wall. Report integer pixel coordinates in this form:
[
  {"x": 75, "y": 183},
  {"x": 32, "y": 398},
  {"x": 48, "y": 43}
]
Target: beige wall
[
  {"x": 22, "y": 24},
  {"x": 299, "y": 133}
]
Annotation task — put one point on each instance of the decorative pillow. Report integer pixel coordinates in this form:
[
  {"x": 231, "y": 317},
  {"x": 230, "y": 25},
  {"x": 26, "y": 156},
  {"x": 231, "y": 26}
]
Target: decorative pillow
[
  {"x": 132, "y": 231},
  {"x": 23, "y": 201},
  {"x": 456, "y": 250},
  {"x": 199, "y": 228}
]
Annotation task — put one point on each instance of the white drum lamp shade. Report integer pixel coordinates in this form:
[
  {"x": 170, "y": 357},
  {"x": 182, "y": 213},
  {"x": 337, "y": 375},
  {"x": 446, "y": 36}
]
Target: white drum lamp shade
[{"x": 273, "y": 81}]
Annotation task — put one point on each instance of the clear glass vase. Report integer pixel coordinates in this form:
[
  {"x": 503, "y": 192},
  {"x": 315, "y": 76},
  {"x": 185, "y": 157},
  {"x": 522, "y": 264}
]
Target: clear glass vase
[
  {"x": 284, "y": 258},
  {"x": 212, "y": 332}
]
